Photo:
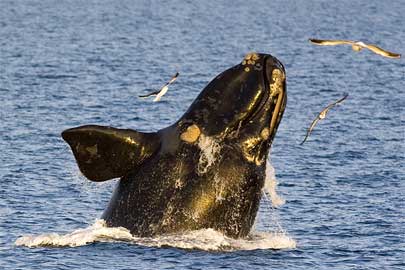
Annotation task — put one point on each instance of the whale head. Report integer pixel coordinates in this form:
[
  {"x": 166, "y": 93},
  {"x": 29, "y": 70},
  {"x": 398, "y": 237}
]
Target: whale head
[{"x": 244, "y": 103}]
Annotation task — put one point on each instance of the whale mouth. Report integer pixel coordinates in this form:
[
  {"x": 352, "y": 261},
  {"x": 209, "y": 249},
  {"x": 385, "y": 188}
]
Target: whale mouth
[{"x": 276, "y": 96}]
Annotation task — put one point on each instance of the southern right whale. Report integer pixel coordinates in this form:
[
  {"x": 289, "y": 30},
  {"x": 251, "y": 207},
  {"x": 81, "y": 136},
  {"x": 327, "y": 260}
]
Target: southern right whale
[{"x": 206, "y": 170}]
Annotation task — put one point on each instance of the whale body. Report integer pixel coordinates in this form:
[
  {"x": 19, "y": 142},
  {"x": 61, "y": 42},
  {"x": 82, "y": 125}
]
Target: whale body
[{"x": 207, "y": 170}]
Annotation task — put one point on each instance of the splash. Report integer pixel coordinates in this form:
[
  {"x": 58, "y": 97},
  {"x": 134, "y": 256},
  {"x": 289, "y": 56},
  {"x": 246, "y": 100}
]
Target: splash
[
  {"x": 274, "y": 237},
  {"x": 270, "y": 185},
  {"x": 268, "y": 217},
  {"x": 205, "y": 239},
  {"x": 95, "y": 233},
  {"x": 209, "y": 152}
]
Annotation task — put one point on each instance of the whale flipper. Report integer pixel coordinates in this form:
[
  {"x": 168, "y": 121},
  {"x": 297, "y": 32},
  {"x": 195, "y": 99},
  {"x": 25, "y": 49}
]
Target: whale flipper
[{"x": 104, "y": 153}]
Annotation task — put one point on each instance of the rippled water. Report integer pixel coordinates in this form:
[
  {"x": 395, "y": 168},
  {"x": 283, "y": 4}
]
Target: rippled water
[{"x": 68, "y": 63}]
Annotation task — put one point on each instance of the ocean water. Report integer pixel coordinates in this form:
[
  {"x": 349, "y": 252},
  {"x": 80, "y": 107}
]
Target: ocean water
[{"x": 340, "y": 199}]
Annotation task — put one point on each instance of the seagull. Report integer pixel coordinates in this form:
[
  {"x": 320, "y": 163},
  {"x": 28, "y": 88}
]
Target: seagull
[
  {"x": 322, "y": 115},
  {"x": 356, "y": 46},
  {"x": 162, "y": 90}
]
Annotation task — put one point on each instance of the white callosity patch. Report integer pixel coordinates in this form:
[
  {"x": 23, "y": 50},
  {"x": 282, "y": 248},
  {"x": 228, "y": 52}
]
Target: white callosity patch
[
  {"x": 205, "y": 239},
  {"x": 270, "y": 185},
  {"x": 210, "y": 149}
]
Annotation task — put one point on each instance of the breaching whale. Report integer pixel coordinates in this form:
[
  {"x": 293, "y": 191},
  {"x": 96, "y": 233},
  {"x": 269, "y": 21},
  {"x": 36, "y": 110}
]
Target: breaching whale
[{"x": 206, "y": 170}]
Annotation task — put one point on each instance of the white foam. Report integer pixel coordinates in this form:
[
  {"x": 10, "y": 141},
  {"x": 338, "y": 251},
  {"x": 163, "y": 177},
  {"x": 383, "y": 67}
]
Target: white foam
[
  {"x": 267, "y": 240},
  {"x": 95, "y": 233},
  {"x": 270, "y": 186},
  {"x": 205, "y": 239},
  {"x": 210, "y": 149}
]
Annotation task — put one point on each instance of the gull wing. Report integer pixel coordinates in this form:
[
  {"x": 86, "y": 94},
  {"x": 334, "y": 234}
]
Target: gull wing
[
  {"x": 173, "y": 78},
  {"x": 330, "y": 42},
  {"x": 150, "y": 94},
  {"x": 382, "y": 52},
  {"x": 310, "y": 129},
  {"x": 325, "y": 111},
  {"x": 162, "y": 92},
  {"x": 327, "y": 108}
]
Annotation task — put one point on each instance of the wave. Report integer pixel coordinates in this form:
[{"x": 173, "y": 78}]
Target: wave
[{"x": 205, "y": 239}]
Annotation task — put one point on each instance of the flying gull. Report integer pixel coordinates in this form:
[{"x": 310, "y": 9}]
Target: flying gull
[
  {"x": 356, "y": 46},
  {"x": 162, "y": 90},
  {"x": 322, "y": 115}
]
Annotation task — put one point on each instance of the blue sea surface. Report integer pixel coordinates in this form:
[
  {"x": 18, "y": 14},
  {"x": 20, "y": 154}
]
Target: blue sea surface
[{"x": 74, "y": 62}]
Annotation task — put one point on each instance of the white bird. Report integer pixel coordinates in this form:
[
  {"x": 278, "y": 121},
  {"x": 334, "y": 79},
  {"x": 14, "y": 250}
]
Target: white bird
[
  {"x": 356, "y": 46},
  {"x": 162, "y": 90},
  {"x": 322, "y": 116}
]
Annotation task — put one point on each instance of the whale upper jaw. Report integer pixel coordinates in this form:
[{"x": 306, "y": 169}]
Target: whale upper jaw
[
  {"x": 269, "y": 110},
  {"x": 256, "y": 132}
]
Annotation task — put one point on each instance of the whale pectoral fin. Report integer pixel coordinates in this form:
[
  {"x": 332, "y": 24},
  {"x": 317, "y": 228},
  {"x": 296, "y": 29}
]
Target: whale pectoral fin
[{"x": 104, "y": 153}]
